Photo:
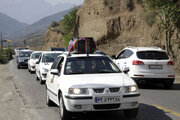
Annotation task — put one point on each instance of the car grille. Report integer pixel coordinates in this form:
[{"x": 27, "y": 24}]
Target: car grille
[
  {"x": 25, "y": 60},
  {"x": 99, "y": 90},
  {"x": 106, "y": 106},
  {"x": 113, "y": 90}
]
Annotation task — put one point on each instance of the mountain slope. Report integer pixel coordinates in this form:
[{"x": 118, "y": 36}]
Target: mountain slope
[
  {"x": 30, "y": 11},
  {"x": 9, "y": 25},
  {"x": 37, "y": 28}
]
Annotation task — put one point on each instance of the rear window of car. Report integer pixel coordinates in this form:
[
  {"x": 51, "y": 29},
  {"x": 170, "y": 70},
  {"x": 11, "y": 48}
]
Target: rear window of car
[{"x": 152, "y": 55}]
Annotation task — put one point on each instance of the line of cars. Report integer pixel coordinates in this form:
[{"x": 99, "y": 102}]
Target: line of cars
[{"x": 81, "y": 80}]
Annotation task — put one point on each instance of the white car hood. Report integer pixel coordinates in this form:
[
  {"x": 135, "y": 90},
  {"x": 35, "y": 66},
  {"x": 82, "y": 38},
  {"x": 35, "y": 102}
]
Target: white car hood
[{"x": 97, "y": 80}]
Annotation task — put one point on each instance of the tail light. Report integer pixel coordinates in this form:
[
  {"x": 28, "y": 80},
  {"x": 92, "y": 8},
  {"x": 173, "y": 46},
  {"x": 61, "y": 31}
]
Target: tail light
[
  {"x": 137, "y": 62},
  {"x": 170, "y": 63}
]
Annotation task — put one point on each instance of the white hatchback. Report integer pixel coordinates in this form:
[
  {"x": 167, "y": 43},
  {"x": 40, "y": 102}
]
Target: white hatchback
[
  {"x": 147, "y": 64},
  {"x": 83, "y": 83}
]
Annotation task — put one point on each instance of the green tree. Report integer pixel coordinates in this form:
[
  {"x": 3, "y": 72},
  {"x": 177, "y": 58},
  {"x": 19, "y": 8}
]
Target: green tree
[
  {"x": 168, "y": 15},
  {"x": 68, "y": 24}
]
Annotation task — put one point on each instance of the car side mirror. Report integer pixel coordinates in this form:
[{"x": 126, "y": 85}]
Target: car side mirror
[
  {"x": 113, "y": 56},
  {"x": 54, "y": 71},
  {"x": 37, "y": 62},
  {"x": 126, "y": 70}
]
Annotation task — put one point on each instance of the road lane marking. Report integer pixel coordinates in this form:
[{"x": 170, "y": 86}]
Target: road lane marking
[{"x": 165, "y": 109}]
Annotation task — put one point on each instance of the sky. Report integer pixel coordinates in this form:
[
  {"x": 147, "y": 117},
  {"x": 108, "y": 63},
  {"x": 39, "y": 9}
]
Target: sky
[
  {"x": 30, "y": 11},
  {"x": 55, "y": 2}
]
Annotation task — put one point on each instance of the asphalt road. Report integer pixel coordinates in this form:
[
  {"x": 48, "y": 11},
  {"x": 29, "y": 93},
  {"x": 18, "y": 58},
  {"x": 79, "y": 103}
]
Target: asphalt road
[{"x": 156, "y": 103}]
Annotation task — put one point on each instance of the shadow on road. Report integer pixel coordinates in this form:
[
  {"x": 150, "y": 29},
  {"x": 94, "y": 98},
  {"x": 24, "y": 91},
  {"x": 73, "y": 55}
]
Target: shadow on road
[
  {"x": 146, "y": 112},
  {"x": 176, "y": 86}
]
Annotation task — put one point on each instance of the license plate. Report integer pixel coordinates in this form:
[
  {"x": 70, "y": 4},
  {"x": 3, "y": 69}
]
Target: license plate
[
  {"x": 155, "y": 67},
  {"x": 107, "y": 99}
]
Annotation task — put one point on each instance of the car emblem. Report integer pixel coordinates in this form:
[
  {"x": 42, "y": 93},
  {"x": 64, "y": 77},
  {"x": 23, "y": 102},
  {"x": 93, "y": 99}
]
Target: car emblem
[{"x": 107, "y": 91}]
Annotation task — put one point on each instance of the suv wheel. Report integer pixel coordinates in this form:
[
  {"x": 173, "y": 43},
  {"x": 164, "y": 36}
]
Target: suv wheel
[
  {"x": 131, "y": 113},
  {"x": 168, "y": 84},
  {"x": 48, "y": 100},
  {"x": 64, "y": 114}
]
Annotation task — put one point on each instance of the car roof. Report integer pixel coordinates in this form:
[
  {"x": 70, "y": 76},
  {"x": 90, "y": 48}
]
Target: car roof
[
  {"x": 44, "y": 52},
  {"x": 144, "y": 48},
  {"x": 80, "y": 55}
]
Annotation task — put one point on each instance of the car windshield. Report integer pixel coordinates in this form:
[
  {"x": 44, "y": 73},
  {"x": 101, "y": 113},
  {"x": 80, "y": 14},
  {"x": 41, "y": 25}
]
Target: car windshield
[
  {"x": 35, "y": 55},
  {"x": 90, "y": 65},
  {"x": 152, "y": 55},
  {"x": 50, "y": 57},
  {"x": 25, "y": 54}
]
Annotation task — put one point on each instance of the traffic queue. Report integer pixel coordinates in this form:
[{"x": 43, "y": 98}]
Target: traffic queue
[{"x": 83, "y": 79}]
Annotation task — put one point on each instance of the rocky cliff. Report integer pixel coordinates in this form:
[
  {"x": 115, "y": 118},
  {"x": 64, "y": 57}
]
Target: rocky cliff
[{"x": 115, "y": 24}]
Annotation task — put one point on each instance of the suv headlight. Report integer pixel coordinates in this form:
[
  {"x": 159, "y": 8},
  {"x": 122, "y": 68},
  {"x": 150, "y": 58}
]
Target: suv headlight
[
  {"x": 129, "y": 89},
  {"x": 78, "y": 91},
  {"x": 45, "y": 70}
]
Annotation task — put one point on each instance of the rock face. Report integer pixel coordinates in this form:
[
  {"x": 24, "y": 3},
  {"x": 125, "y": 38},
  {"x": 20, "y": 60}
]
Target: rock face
[
  {"x": 53, "y": 38},
  {"x": 115, "y": 24}
]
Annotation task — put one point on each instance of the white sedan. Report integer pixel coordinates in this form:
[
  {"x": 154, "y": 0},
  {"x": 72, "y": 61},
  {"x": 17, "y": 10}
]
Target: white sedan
[
  {"x": 82, "y": 83},
  {"x": 32, "y": 61},
  {"x": 44, "y": 64}
]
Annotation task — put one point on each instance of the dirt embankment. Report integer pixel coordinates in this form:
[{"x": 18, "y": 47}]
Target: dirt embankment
[{"x": 115, "y": 24}]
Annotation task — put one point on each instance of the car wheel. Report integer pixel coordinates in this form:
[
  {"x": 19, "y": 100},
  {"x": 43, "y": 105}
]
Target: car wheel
[
  {"x": 168, "y": 84},
  {"x": 18, "y": 67},
  {"x": 64, "y": 114},
  {"x": 41, "y": 81},
  {"x": 49, "y": 102},
  {"x": 37, "y": 78},
  {"x": 131, "y": 113}
]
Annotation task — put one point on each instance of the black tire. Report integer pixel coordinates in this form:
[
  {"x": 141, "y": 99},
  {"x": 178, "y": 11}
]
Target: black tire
[
  {"x": 64, "y": 114},
  {"x": 37, "y": 78},
  {"x": 49, "y": 102},
  {"x": 131, "y": 113},
  {"x": 41, "y": 81},
  {"x": 18, "y": 67},
  {"x": 168, "y": 84}
]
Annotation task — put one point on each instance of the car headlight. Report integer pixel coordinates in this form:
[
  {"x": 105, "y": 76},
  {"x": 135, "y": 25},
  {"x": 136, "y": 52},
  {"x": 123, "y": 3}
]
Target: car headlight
[
  {"x": 45, "y": 70},
  {"x": 129, "y": 89},
  {"x": 78, "y": 91}
]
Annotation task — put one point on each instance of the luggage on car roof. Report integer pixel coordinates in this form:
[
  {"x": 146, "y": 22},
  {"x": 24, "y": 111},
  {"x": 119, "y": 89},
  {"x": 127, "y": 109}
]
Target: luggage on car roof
[{"x": 83, "y": 45}]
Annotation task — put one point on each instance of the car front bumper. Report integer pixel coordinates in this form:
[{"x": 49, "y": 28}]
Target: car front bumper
[{"x": 88, "y": 104}]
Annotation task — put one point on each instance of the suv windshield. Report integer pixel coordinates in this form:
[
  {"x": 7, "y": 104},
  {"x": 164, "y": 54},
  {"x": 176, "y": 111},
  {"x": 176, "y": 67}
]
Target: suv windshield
[
  {"x": 152, "y": 55},
  {"x": 50, "y": 57},
  {"x": 89, "y": 65},
  {"x": 35, "y": 55},
  {"x": 25, "y": 54}
]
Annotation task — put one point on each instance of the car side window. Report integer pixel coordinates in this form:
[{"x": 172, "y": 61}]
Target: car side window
[
  {"x": 121, "y": 55},
  {"x": 128, "y": 53},
  {"x": 59, "y": 66},
  {"x": 55, "y": 63}
]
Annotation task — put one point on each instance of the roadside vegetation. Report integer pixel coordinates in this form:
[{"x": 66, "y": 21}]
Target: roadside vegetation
[
  {"x": 166, "y": 14},
  {"x": 68, "y": 23},
  {"x": 6, "y": 55}
]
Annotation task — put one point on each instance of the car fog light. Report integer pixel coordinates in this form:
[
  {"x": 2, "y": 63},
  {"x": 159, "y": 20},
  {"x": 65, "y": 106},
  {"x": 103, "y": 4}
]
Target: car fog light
[
  {"x": 77, "y": 106},
  {"x": 134, "y": 103}
]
